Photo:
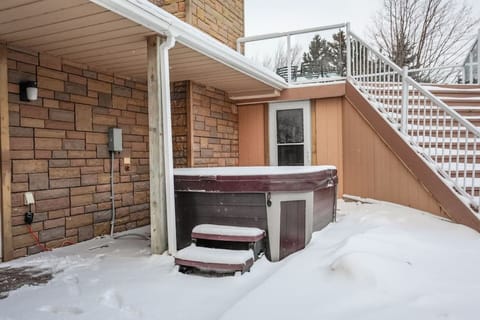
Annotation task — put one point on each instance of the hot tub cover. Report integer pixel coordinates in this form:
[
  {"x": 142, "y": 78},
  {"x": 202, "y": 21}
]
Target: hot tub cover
[{"x": 255, "y": 179}]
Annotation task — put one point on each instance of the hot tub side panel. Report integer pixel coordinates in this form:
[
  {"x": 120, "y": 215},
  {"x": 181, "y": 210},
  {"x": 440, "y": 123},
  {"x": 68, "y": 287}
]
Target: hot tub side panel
[
  {"x": 233, "y": 209},
  {"x": 324, "y": 201}
]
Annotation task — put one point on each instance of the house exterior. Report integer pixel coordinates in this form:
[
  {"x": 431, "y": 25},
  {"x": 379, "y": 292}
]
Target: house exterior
[{"x": 102, "y": 64}]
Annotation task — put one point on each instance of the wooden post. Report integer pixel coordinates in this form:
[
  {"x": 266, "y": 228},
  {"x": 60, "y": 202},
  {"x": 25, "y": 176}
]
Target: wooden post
[
  {"x": 5, "y": 197},
  {"x": 158, "y": 210}
]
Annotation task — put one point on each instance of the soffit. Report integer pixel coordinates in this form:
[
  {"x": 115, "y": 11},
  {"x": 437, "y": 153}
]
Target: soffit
[{"x": 83, "y": 32}]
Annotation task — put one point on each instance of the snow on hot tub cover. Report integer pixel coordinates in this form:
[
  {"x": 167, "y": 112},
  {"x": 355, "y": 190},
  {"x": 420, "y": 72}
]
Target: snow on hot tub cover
[{"x": 255, "y": 179}]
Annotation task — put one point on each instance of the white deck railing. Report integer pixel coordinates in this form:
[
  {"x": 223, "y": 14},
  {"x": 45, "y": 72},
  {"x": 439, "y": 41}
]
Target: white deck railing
[
  {"x": 297, "y": 72},
  {"x": 445, "y": 139}
]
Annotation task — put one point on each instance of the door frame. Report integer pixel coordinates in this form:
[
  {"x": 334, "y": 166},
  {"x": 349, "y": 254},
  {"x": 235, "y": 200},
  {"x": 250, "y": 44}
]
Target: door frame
[{"x": 272, "y": 129}]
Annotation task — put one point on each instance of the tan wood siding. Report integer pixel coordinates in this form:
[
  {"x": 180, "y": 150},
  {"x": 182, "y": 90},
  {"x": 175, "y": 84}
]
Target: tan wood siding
[
  {"x": 372, "y": 170},
  {"x": 327, "y": 135},
  {"x": 252, "y": 135},
  {"x": 5, "y": 197}
]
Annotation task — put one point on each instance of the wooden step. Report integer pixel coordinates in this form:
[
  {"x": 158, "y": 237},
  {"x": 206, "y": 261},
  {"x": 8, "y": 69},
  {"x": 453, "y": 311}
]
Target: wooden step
[
  {"x": 230, "y": 237},
  {"x": 214, "y": 260},
  {"x": 227, "y": 233}
]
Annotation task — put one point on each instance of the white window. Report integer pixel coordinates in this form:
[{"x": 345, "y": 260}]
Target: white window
[{"x": 289, "y": 133}]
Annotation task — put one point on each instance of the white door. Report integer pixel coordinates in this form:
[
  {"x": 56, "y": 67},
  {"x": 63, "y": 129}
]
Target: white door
[{"x": 289, "y": 133}]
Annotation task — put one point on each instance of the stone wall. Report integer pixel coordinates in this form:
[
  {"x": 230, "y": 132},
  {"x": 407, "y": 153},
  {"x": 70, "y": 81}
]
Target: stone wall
[
  {"x": 59, "y": 151},
  {"x": 175, "y": 7},
  {"x": 223, "y": 20},
  {"x": 215, "y": 128},
  {"x": 59, "y": 147},
  {"x": 179, "y": 100}
]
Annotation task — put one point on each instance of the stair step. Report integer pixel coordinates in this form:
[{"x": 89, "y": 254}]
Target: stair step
[
  {"x": 215, "y": 260},
  {"x": 227, "y": 233}
]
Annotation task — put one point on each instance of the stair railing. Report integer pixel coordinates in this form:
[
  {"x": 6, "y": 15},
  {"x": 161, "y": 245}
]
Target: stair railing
[{"x": 446, "y": 141}]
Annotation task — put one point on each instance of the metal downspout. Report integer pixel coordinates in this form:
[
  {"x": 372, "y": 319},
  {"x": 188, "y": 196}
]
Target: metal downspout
[{"x": 167, "y": 141}]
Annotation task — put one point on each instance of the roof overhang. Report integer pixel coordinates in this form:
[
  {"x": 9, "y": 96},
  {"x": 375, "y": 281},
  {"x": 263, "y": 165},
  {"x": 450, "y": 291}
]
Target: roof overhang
[{"x": 110, "y": 36}]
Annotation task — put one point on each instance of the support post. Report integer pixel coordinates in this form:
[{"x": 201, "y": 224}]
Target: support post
[
  {"x": 404, "y": 114},
  {"x": 349, "y": 50},
  {"x": 6, "y": 240},
  {"x": 160, "y": 147}
]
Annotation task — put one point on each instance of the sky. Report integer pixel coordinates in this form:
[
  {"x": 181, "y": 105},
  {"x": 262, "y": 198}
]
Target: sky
[{"x": 266, "y": 16}]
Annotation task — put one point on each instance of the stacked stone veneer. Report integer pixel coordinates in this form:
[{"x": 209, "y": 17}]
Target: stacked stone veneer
[
  {"x": 215, "y": 128},
  {"x": 223, "y": 20},
  {"x": 180, "y": 130},
  {"x": 175, "y": 7},
  {"x": 59, "y": 147},
  {"x": 59, "y": 151}
]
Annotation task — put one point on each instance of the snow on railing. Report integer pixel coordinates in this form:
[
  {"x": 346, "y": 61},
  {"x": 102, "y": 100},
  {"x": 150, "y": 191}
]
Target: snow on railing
[
  {"x": 445, "y": 139},
  {"x": 305, "y": 56}
]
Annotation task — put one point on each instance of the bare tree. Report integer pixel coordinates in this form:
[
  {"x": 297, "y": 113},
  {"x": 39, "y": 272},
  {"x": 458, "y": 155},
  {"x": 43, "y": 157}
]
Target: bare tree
[
  {"x": 424, "y": 33},
  {"x": 280, "y": 57}
]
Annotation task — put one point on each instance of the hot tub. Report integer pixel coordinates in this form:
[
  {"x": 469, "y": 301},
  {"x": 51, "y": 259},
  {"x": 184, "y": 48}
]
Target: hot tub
[{"x": 288, "y": 202}]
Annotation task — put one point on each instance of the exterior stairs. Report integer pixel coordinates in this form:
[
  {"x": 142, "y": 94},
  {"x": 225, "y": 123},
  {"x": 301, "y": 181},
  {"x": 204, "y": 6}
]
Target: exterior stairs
[
  {"x": 221, "y": 249},
  {"x": 464, "y": 99},
  {"x": 435, "y": 135}
]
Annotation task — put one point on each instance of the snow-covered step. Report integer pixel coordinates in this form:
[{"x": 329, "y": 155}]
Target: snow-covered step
[
  {"x": 230, "y": 237},
  {"x": 215, "y": 260},
  {"x": 444, "y": 140},
  {"x": 227, "y": 233},
  {"x": 450, "y": 152},
  {"x": 461, "y": 166},
  {"x": 434, "y": 128}
]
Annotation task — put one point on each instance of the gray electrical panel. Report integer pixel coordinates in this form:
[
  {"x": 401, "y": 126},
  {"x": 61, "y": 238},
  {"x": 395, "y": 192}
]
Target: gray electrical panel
[{"x": 115, "y": 140}]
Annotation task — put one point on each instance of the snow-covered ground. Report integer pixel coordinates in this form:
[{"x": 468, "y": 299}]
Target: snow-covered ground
[{"x": 380, "y": 261}]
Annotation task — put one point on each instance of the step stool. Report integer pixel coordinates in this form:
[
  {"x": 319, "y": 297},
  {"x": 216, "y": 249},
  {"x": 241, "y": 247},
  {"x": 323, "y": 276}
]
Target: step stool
[{"x": 221, "y": 249}]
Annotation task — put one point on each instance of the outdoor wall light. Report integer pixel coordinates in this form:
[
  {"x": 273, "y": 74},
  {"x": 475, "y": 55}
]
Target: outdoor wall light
[{"x": 28, "y": 91}]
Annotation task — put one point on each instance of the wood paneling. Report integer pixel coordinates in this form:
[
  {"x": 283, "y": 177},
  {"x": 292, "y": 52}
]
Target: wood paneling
[
  {"x": 5, "y": 166},
  {"x": 327, "y": 131},
  {"x": 252, "y": 135},
  {"x": 158, "y": 220},
  {"x": 443, "y": 201},
  {"x": 372, "y": 170}
]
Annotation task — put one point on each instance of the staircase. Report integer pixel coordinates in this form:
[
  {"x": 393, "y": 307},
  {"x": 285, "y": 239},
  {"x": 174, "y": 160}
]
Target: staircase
[
  {"x": 221, "y": 249},
  {"x": 463, "y": 98},
  {"x": 439, "y": 122},
  {"x": 454, "y": 153}
]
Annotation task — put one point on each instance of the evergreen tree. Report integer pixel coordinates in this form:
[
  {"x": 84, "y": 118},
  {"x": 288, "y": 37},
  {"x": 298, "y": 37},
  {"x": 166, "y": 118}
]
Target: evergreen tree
[
  {"x": 319, "y": 56},
  {"x": 338, "y": 49}
]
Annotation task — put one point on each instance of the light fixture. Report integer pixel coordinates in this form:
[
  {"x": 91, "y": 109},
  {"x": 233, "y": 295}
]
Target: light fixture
[{"x": 28, "y": 91}]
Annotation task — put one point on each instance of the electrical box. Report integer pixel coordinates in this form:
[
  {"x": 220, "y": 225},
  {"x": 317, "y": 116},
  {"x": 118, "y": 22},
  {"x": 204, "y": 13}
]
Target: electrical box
[
  {"x": 115, "y": 140},
  {"x": 28, "y": 198}
]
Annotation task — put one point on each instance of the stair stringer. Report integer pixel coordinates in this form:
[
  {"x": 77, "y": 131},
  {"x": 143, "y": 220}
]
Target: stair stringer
[{"x": 449, "y": 201}]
